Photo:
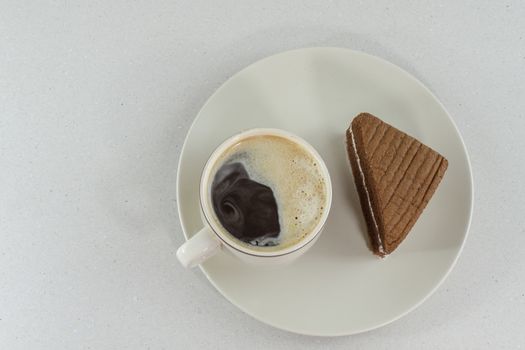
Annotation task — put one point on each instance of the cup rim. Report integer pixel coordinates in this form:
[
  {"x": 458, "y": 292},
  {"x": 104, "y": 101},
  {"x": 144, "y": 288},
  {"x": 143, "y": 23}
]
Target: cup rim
[{"x": 218, "y": 229}]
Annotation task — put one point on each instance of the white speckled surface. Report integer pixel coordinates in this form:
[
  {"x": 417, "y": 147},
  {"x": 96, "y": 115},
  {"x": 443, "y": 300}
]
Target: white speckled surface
[{"x": 95, "y": 100}]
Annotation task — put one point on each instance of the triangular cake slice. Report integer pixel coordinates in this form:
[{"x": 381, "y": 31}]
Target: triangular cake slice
[{"x": 395, "y": 175}]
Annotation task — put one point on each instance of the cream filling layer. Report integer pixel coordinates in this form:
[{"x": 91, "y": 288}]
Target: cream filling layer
[{"x": 362, "y": 175}]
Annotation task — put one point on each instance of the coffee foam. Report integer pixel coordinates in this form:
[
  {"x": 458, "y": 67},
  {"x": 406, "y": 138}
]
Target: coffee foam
[{"x": 294, "y": 176}]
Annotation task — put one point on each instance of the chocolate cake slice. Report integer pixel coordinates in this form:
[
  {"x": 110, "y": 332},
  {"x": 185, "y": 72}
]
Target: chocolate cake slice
[{"x": 395, "y": 175}]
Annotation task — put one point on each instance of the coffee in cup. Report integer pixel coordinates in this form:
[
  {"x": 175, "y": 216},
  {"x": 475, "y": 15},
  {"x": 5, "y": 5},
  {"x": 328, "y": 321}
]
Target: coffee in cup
[
  {"x": 267, "y": 191},
  {"x": 265, "y": 195}
]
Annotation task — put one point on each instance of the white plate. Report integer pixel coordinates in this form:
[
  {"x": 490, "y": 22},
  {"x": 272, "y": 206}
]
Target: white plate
[{"x": 338, "y": 287}]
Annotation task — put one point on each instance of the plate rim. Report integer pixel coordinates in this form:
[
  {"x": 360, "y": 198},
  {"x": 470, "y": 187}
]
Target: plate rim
[{"x": 409, "y": 76}]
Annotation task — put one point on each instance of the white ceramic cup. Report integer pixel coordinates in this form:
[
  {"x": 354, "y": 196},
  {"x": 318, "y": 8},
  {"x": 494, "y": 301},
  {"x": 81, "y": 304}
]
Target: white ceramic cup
[{"x": 213, "y": 236}]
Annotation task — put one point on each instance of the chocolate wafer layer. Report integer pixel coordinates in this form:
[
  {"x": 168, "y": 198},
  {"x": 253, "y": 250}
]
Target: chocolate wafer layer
[{"x": 395, "y": 175}]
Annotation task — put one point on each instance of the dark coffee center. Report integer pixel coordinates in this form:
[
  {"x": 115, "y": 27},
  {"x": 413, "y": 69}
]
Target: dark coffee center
[{"x": 247, "y": 209}]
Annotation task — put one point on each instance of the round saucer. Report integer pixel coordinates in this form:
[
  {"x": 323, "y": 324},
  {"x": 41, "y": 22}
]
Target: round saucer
[{"x": 338, "y": 287}]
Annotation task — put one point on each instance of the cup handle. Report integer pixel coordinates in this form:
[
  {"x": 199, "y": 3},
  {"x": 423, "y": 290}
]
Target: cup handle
[{"x": 197, "y": 249}]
